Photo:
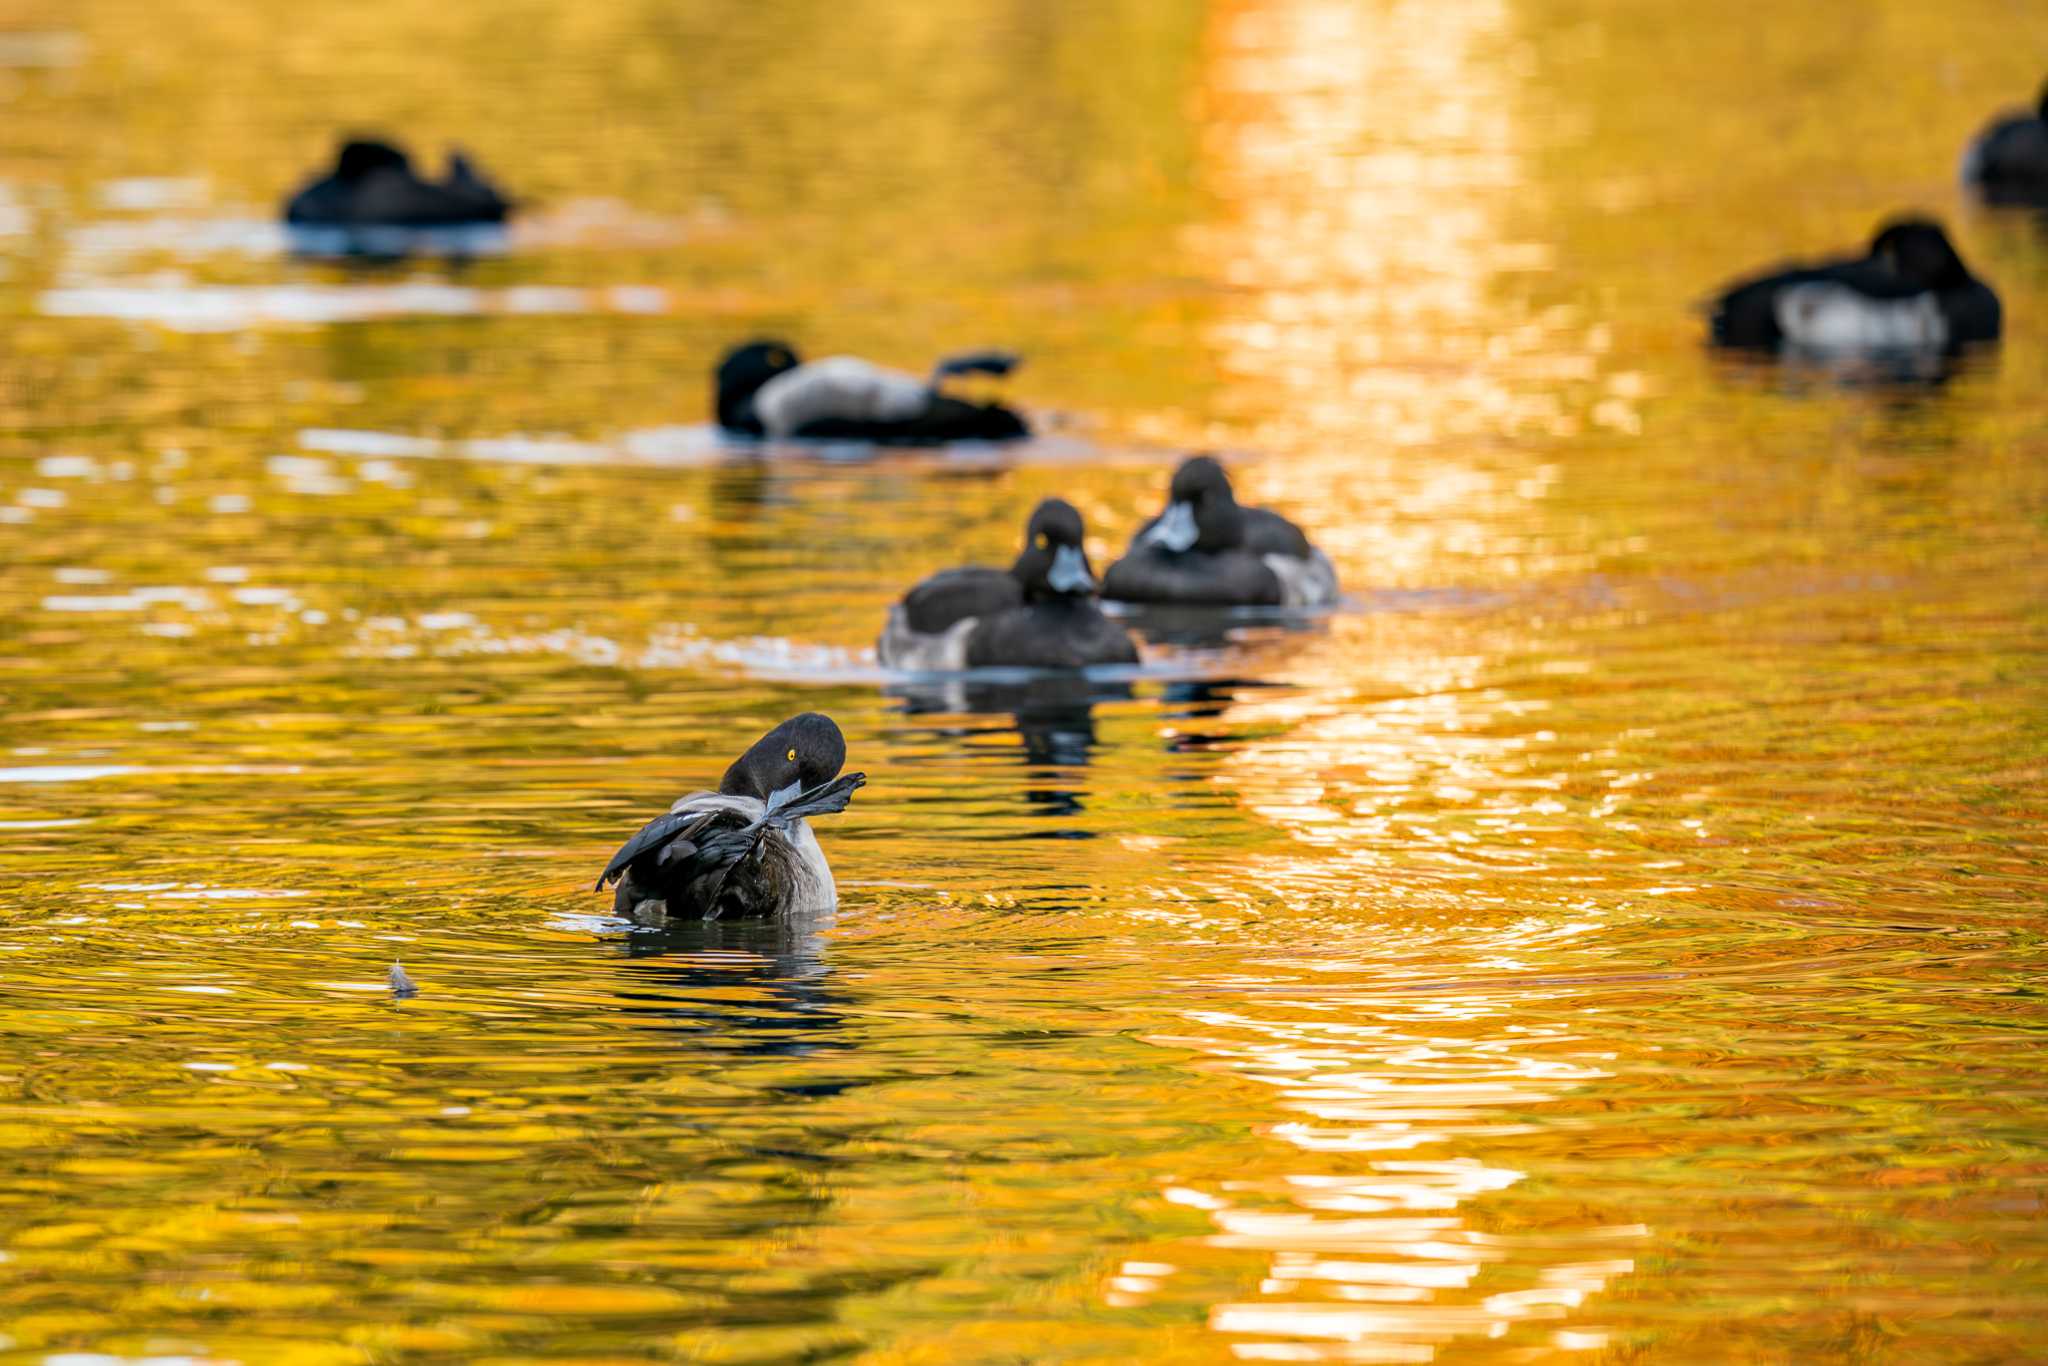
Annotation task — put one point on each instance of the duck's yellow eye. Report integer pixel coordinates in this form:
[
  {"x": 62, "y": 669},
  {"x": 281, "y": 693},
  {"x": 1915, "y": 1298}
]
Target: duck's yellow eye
[
  {"x": 1044, "y": 541},
  {"x": 791, "y": 756}
]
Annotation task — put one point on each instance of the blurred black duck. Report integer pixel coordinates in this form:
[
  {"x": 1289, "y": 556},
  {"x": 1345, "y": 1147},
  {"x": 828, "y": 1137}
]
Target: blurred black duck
[
  {"x": 746, "y": 849},
  {"x": 1910, "y": 292},
  {"x": 2008, "y": 162},
  {"x": 764, "y": 389},
  {"x": 1040, "y": 613},
  {"x": 1208, "y": 549},
  {"x": 374, "y": 203}
]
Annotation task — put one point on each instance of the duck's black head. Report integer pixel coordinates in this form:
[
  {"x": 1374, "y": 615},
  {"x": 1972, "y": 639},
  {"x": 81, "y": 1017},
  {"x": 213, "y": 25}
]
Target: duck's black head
[
  {"x": 2041, "y": 109},
  {"x": 805, "y": 750},
  {"x": 1201, "y": 510},
  {"x": 1918, "y": 251},
  {"x": 741, "y": 374},
  {"x": 1053, "y": 563},
  {"x": 360, "y": 157}
]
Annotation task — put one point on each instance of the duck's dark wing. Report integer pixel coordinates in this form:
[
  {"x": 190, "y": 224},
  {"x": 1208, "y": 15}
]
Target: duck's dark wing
[
  {"x": 660, "y": 836},
  {"x": 826, "y": 799},
  {"x": 953, "y": 595},
  {"x": 706, "y": 862},
  {"x": 1268, "y": 533}
]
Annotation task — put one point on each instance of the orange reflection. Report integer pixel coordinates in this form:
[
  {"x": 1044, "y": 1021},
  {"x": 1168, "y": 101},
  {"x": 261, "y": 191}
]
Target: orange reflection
[{"x": 1365, "y": 154}]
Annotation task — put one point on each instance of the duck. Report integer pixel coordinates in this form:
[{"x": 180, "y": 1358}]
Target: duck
[
  {"x": 373, "y": 201},
  {"x": 765, "y": 389},
  {"x": 1207, "y": 549},
  {"x": 746, "y": 850},
  {"x": 2008, "y": 161},
  {"x": 1040, "y": 613},
  {"x": 1910, "y": 292}
]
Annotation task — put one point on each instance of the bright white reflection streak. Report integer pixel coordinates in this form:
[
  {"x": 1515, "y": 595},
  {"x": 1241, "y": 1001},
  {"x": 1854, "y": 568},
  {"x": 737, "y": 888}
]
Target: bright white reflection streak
[{"x": 1363, "y": 151}]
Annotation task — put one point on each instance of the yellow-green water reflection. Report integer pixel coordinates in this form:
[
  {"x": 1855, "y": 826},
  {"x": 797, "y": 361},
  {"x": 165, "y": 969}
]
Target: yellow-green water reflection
[{"x": 1615, "y": 936}]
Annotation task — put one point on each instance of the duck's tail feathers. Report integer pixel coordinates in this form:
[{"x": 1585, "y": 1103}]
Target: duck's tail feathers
[{"x": 997, "y": 363}]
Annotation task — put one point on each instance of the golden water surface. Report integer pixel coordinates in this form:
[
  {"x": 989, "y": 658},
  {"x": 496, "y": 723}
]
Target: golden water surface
[{"x": 1615, "y": 935}]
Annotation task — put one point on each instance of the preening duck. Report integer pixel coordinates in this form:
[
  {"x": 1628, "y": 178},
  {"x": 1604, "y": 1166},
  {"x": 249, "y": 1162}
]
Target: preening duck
[
  {"x": 1207, "y": 549},
  {"x": 1040, "y": 613},
  {"x": 765, "y": 389},
  {"x": 2008, "y": 162},
  {"x": 374, "y": 203},
  {"x": 746, "y": 849},
  {"x": 1910, "y": 293}
]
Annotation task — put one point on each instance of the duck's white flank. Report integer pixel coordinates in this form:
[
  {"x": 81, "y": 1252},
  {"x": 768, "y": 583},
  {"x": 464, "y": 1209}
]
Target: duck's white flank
[
  {"x": 1831, "y": 317},
  {"x": 844, "y": 387},
  {"x": 941, "y": 652},
  {"x": 1304, "y": 583}
]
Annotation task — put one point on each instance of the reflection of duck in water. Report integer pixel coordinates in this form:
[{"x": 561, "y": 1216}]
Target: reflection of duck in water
[
  {"x": 1204, "y": 700},
  {"x": 1054, "y": 716},
  {"x": 744, "y": 986},
  {"x": 1207, "y": 549},
  {"x": 374, "y": 204},
  {"x": 746, "y": 849},
  {"x": 765, "y": 389},
  {"x": 2008, "y": 162},
  {"x": 1910, "y": 294},
  {"x": 1040, "y": 613}
]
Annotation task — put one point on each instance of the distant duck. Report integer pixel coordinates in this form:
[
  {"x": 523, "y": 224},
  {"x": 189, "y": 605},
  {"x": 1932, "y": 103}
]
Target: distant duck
[
  {"x": 374, "y": 203},
  {"x": 1909, "y": 293},
  {"x": 1040, "y": 613},
  {"x": 765, "y": 389},
  {"x": 746, "y": 849},
  {"x": 1207, "y": 549},
  {"x": 2008, "y": 162}
]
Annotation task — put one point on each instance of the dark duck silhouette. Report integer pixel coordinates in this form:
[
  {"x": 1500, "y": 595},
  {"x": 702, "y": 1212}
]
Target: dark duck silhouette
[
  {"x": 1910, "y": 293},
  {"x": 746, "y": 849},
  {"x": 2008, "y": 162},
  {"x": 1040, "y": 613},
  {"x": 374, "y": 203},
  {"x": 1208, "y": 549},
  {"x": 764, "y": 389}
]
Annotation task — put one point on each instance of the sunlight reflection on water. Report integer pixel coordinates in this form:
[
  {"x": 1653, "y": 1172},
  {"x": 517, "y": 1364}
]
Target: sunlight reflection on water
[{"x": 1613, "y": 928}]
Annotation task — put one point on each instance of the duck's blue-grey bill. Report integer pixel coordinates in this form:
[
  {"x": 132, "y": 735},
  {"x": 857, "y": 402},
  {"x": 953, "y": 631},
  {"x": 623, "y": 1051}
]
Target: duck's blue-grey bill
[
  {"x": 1176, "y": 531},
  {"x": 1069, "y": 572}
]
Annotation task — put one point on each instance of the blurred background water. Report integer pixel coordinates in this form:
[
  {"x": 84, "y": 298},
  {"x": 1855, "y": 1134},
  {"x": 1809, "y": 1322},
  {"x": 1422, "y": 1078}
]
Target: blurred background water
[{"x": 1617, "y": 933}]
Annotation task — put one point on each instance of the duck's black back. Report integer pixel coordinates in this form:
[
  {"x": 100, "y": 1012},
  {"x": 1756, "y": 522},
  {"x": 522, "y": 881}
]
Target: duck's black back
[
  {"x": 2010, "y": 161},
  {"x": 953, "y": 595},
  {"x": 944, "y": 419},
  {"x": 403, "y": 199},
  {"x": 1973, "y": 313},
  {"x": 1268, "y": 533},
  {"x": 1233, "y": 578},
  {"x": 1054, "y": 633}
]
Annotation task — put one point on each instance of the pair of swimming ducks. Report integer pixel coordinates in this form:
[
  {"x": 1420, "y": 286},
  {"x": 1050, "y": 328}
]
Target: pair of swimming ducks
[{"x": 1204, "y": 550}]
